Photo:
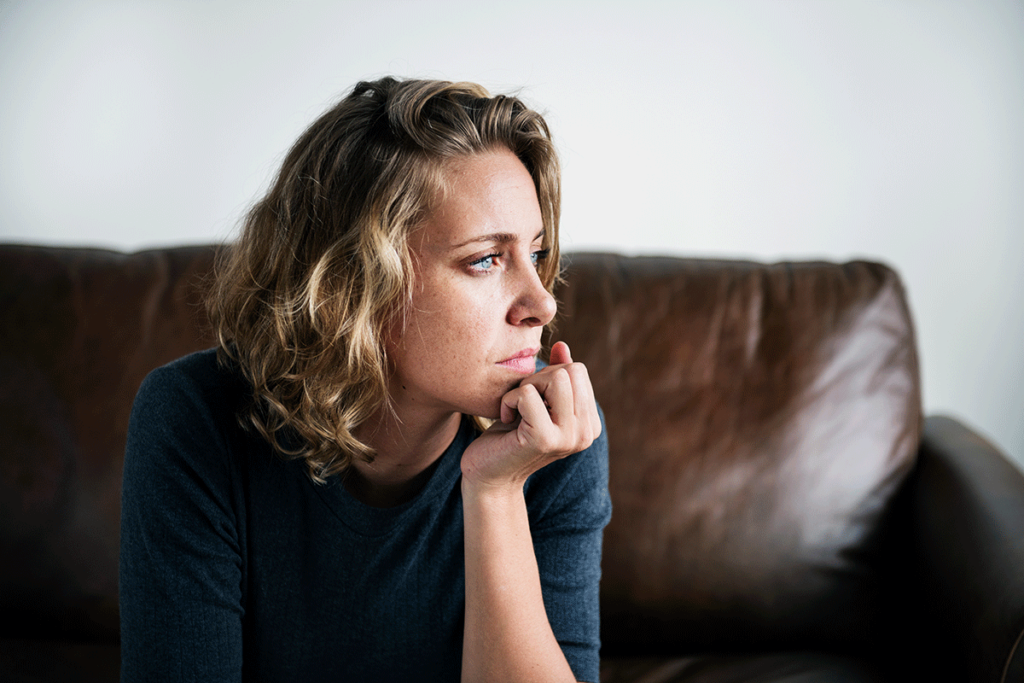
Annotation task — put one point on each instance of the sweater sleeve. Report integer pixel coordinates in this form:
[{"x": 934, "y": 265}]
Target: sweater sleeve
[
  {"x": 180, "y": 567},
  {"x": 569, "y": 508}
]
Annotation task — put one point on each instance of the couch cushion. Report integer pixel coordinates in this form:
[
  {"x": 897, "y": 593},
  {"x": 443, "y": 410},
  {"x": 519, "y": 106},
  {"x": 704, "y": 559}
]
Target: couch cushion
[
  {"x": 760, "y": 418},
  {"x": 799, "y": 667},
  {"x": 32, "y": 661}
]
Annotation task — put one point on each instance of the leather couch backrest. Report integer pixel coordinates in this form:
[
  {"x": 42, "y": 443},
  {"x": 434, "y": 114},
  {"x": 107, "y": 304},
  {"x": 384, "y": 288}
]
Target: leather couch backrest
[
  {"x": 760, "y": 418},
  {"x": 81, "y": 328}
]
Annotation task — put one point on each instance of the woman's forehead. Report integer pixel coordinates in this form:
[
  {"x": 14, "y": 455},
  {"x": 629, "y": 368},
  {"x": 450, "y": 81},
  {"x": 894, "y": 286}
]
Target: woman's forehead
[{"x": 488, "y": 197}]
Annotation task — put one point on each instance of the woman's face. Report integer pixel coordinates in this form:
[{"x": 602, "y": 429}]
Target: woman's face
[{"x": 473, "y": 329}]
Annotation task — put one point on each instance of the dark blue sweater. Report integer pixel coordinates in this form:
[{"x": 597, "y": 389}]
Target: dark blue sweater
[{"x": 235, "y": 566}]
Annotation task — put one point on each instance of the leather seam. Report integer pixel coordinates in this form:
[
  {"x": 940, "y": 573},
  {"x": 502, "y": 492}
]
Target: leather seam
[{"x": 1009, "y": 658}]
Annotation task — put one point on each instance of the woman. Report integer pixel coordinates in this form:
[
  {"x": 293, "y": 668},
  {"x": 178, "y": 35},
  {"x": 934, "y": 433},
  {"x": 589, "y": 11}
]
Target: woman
[{"x": 317, "y": 498}]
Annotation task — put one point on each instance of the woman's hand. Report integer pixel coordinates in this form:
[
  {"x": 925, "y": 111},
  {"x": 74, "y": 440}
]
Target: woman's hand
[{"x": 550, "y": 415}]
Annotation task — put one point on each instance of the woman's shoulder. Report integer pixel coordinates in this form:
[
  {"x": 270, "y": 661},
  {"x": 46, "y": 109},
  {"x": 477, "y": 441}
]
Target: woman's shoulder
[
  {"x": 194, "y": 400},
  {"x": 200, "y": 367},
  {"x": 201, "y": 377}
]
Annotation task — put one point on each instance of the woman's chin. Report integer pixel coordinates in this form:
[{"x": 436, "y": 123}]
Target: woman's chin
[
  {"x": 491, "y": 412},
  {"x": 487, "y": 403},
  {"x": 489, "y": 407}
]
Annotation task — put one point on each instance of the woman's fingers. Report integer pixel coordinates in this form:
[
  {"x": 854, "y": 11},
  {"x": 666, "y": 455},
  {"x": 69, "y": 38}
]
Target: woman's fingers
[
  {"x": 557, "y": 391},
  {"x": 550, "y": 382},
  {"x": 584, "y": 402},
  {"x": 543, "y": 400},
  {"x": 560, "y": 354},
  {"x": 585, "y": 405},
  {"x": 582, "y": 391},
  {"x": 568, "y": 398}
]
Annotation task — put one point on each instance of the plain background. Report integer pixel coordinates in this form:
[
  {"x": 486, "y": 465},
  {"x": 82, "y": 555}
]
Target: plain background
[{"x": 783, "y": 129}]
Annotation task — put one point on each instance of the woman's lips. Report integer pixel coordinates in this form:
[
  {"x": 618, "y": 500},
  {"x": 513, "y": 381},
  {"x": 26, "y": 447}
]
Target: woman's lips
[{"x": 524, "y": 362}]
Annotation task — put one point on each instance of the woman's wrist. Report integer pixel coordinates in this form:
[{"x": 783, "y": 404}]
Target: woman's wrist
[{"x": 491, "y": 494}]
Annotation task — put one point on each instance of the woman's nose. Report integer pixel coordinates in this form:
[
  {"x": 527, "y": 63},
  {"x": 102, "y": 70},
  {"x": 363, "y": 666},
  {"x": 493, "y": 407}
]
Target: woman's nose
[{"x": 533, "y": 305}]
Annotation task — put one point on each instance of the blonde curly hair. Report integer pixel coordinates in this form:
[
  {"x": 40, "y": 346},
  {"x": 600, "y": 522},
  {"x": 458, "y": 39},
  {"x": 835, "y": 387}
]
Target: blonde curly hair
[{"x": 302, "y": 300}]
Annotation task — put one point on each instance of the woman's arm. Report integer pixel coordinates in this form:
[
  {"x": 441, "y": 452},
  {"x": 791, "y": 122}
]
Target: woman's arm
[
  {"x": 507, "y": 634},
  {"x": 181, "y": 575}
]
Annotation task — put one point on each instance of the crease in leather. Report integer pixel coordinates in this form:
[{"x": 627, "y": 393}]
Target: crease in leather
[{"x": 1010, "y": 658}]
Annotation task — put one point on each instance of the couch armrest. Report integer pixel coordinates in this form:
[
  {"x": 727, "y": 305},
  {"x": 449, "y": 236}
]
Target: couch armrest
[{"x": 967, "y": 514}]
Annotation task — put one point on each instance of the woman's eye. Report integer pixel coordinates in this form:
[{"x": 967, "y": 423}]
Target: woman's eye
[
  {"x": 539, "y": 256},
  {"x": 484, "y": 264}
]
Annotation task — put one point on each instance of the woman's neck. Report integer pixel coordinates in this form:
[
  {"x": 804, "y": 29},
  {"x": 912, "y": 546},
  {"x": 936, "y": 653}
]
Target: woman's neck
[{"x": 407, "y": 451}]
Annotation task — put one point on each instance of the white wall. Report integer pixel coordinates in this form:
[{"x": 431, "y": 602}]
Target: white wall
[{"x": 892, "y": 129}]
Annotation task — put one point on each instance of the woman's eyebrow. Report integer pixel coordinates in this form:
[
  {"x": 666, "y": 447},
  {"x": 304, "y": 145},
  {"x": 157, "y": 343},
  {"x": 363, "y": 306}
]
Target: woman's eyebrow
[{"x": 498, "y": 237}]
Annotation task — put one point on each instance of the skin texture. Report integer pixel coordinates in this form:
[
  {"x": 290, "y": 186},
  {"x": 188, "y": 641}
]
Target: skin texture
[{"x": 467, "y": 345}]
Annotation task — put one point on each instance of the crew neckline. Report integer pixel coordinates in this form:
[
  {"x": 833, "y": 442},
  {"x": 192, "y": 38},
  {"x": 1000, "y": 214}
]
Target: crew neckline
[{"x": 367, "y": 520}]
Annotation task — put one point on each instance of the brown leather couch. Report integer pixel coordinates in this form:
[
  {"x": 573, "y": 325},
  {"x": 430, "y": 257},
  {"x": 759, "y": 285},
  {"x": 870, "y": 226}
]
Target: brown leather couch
[{"x": 782, "y": 512}]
